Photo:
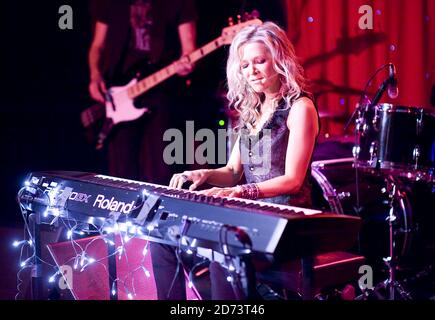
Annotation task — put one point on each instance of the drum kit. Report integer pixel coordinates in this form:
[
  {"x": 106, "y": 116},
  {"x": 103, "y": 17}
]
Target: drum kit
[{"x": 390, "y": 183}]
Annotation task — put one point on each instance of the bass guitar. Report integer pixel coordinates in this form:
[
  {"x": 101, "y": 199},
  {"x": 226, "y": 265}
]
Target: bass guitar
[{"x": 119, "y": 105}]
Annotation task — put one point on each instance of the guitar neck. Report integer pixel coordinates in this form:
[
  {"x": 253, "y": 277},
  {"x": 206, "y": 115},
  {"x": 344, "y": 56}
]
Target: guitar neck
[{"x": 154, "y": 79}]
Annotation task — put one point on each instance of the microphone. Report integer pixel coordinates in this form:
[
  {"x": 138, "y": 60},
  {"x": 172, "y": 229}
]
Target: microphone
[
  {"x": 389, "y": 84},
  {"x": 393, "y": 90}
]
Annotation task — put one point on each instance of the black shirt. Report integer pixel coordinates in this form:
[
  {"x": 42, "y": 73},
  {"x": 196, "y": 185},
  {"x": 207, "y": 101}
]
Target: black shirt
[{"x": 141, "y": 31}]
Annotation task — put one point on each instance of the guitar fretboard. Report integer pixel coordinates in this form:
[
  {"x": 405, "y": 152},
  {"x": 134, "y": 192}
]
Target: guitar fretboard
[{"x": 151, "y": 81}]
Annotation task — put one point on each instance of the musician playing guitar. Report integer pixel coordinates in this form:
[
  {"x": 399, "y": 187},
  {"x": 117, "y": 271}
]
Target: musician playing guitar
[{"x": 129, "y": 37}]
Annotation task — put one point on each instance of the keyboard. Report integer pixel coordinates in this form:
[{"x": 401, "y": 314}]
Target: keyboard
[{"x": 189, "y": 218}]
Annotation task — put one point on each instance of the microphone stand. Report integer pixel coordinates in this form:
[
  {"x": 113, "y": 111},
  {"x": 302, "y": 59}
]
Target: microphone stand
[
  {"x": 376, "y": 98},
  {"x": 357, "y": 109},
  {"x": 379, "y": 93},
  {"x": 363, "y": 105},
  {"x": 372, "y": 102}
]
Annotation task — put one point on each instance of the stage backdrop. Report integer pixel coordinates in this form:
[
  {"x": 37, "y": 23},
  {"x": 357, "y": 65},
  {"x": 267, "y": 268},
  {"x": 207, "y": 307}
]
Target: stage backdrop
[{"x": 339, "y": 56}]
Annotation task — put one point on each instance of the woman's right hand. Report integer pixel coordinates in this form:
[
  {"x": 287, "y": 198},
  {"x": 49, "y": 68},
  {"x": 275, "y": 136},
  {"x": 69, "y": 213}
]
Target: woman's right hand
[{"x": 198, "y": 177}]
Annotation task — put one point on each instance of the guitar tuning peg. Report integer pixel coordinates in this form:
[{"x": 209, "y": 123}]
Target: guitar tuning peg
[
  {"x": 246, "y": 16},
  {"x": 239, "y": 18},
  {"x": 230, "y": 21}
]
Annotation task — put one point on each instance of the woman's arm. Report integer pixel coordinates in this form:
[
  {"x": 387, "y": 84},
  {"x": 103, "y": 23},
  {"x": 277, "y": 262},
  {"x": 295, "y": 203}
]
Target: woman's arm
[
  {"x": 229, "y": 175},
  {"x": 303, "y": 125}
]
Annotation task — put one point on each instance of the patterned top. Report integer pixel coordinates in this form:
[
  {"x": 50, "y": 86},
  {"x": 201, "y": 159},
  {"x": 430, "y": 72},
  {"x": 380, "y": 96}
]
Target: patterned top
[{"x": 263, "y": 156}]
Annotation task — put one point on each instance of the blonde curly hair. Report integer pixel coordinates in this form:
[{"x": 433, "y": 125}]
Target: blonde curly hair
[{"x": 240, "y": 94}]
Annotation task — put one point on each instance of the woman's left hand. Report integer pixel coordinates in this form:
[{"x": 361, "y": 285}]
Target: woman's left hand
[{"x": 233, "y": 192}]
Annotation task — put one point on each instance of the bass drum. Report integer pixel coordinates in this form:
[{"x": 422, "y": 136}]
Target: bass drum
[{"x": 340, "y": 188}]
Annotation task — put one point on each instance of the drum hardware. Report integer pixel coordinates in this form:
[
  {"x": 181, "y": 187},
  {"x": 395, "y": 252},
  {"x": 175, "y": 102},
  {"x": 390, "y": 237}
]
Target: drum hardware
[
  {"x": 360, "y": 125},
  {"x": 419, "y": 122},
  {"x": 375, "y": 121},
  {"x": 343, "y": 195},
  {"x": 365, "y": 128},
  {"x": 355, "y": 151},
  {"x": 373, "y": 153},
  {"x": 416, "y": 156},
  {"x": 357, "y": 208},
  {"x": 358, "y": 122},
  {"x": 392, "y": 285}
]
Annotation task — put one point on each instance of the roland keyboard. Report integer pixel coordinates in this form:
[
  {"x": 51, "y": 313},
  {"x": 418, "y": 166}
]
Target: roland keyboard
[{"x": 172, "y": 216}]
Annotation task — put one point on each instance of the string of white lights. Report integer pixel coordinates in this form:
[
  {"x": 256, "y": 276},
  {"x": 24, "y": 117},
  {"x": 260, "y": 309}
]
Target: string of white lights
[
  {"x": 140, "y": 267},
  {"x": 103, "y": 231},
  {"x": 131, "y": 273},
  {"x": 27, "y": 228},
  {"x": 19, "y": 280}
]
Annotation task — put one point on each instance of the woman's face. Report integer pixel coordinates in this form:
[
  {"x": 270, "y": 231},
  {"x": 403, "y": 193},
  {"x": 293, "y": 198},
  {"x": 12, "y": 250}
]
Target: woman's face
[{"x": 256, "y": 64}]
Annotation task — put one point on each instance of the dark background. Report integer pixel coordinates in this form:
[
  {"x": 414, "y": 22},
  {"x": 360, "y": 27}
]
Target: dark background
[{"x": 44, "y": 77}]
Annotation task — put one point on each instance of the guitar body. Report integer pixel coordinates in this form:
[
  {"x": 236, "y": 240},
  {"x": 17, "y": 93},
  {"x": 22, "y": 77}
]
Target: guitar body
[
  {"x": 99, "y": 119},
  {"x": 120, "y": 107}
]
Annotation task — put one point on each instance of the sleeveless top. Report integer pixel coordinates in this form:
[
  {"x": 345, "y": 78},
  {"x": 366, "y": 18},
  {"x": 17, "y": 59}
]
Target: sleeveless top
[{"x": 263, "y": 156}]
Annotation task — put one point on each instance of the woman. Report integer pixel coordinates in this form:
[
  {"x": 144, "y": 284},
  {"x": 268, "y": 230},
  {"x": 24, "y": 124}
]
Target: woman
[
  {"x": 276, "y": 137},
  {"x": 267, "y": 87}
]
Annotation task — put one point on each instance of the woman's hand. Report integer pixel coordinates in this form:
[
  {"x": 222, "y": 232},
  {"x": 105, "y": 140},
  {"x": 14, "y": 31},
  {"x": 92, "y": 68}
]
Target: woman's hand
[
  {"x": 198, "y": 177},
  {"x": 233, "y": 192}
]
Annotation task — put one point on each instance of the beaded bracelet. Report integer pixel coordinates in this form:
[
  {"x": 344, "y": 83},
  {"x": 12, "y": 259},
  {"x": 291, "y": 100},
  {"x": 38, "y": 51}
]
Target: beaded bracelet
[{"x": 250, "y": 191}]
